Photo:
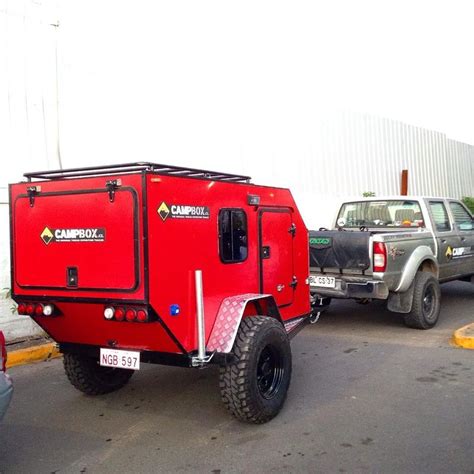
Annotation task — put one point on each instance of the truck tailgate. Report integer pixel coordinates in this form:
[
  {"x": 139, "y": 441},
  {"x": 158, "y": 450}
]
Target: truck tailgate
[
  {"x": 77, "y": 240},
  {"x": 343, "y": 250}
]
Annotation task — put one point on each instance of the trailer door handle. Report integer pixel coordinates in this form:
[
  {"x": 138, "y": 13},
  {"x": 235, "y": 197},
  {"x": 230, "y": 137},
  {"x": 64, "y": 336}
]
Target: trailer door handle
[{"x": 280, "y": 287}]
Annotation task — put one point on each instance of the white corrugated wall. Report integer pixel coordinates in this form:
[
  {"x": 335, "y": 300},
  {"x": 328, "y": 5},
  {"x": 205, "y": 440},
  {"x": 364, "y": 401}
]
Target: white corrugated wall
[{"x": 28, "y": 118}]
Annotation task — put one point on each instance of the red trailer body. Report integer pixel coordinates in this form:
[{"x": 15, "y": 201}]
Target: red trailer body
[{"x": 129, "y": 238}]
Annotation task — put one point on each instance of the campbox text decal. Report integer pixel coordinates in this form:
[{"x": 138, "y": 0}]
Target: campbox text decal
[
  {"x": 90, "y": 234},
  {"x": 183, "y": 211}
]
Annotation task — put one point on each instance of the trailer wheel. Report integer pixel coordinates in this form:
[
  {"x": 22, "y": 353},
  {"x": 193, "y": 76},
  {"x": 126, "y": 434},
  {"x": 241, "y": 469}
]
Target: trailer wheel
[
  {"x": 89, "y": 377},
  {"x": 254, "y": 386},
  {"x": 426, "y": 302}
]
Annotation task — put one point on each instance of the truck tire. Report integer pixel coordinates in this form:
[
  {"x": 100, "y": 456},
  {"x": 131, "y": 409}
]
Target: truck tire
[
  {"x": 89, "y": 377},
  {"x": 426, "y": 302},
  {"x": 254, "y": 386}
]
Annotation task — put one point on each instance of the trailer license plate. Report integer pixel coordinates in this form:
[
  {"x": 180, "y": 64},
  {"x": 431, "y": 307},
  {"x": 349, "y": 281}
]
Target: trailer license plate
[
  {"x": 120, "y": 359},
  {"x": 324, "y": 281}
]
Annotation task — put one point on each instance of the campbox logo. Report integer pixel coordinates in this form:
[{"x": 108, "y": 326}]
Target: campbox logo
[
  {"x": 183, "y": 211},
  {"x": 90, "y": 234}
]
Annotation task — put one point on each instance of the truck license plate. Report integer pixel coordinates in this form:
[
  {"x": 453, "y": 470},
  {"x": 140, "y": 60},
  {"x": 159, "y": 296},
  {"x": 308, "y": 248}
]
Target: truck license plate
[
  {"x": 120, "y": 359},
  {"x": 324, "y": 281}
]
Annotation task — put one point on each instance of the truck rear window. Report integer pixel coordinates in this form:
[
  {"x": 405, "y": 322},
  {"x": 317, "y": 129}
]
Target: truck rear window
[{"x": 385, "y": 213}]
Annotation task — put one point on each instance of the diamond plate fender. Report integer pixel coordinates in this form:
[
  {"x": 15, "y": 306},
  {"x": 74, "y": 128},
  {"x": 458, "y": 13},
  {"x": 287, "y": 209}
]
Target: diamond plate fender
[{"x": 228, "y": 320}]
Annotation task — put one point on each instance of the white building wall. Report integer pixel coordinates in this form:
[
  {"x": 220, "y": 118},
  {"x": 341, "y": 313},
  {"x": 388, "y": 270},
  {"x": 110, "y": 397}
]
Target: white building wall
[{"x": 28, "y": 119}]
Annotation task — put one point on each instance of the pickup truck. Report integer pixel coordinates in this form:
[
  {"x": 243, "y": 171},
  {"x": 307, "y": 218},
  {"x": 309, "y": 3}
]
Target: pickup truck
[{"x": 397, "y": 249}]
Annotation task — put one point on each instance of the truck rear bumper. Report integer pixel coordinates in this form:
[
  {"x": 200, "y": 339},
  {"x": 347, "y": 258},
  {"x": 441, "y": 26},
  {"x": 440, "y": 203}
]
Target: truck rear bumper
[{"x": 344, "y": 289}]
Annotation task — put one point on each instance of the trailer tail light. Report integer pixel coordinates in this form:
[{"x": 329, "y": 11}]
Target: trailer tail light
[
  {"x": 37, "y": 309},
  {"x": 128, "y": 314},
  {"x": 380, "y": 257},
  {"x": 109, "y": 312}
]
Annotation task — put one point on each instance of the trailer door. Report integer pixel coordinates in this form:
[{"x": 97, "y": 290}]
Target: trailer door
[
  {"x": 276, "y": 254},
  {"x": 76, "y": 241}
]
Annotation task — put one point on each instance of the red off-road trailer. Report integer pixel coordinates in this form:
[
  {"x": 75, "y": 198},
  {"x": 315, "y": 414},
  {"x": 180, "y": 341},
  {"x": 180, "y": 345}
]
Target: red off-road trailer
[{"x": 142, "y": 262}]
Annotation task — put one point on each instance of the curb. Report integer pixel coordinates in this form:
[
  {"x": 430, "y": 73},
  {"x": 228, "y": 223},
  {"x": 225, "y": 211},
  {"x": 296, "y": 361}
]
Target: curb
[
  {"x": 464, "y": 337},
  {"x": 32, "y": 354}
]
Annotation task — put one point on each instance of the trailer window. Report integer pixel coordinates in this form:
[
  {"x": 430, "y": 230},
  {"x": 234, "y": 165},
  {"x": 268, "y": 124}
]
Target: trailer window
[{"x": 233, "y": 235}]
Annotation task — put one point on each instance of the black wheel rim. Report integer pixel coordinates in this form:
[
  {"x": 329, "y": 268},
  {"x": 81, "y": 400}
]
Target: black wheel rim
[
  {"x": 270, "y": 372},
  {"x": 429, "y": 302}
]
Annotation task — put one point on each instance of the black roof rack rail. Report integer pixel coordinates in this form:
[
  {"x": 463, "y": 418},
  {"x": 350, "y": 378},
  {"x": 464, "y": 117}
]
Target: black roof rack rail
[{"x": 134, "y": 167}]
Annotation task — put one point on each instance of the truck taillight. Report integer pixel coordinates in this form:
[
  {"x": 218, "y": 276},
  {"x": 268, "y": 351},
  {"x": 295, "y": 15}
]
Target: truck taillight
[
  {"x": 22, "y": 308},
  {"x": 141, "y": 316},
  {"x": 30, "y": 309},
  {"x": 39, "y": 309},
  {"x": 380, "y": 257}
]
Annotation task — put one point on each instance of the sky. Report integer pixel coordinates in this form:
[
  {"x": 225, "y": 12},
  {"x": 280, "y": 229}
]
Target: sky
[{"x": 254, "y": 71}]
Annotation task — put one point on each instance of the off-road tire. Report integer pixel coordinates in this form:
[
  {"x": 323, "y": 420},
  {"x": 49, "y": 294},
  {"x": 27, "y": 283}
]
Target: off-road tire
[
  {"x": 89, "y": 377},
  {"x": 242, "y": 382},
  {"x": 426, "y": 302}
]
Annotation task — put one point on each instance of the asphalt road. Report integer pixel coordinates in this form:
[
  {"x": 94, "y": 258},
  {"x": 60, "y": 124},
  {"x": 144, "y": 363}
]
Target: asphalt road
[{"x": 367, "y": 395}]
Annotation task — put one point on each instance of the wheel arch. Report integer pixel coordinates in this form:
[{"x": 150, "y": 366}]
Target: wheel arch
[{"x": 422, "y": 259}]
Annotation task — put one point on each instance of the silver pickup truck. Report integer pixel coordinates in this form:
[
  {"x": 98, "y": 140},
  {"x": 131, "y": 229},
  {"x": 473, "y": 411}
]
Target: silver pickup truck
[{"x": 397, "y": 249}]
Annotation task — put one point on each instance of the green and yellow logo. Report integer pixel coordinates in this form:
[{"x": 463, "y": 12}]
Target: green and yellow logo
[
  {"x": 163, "y": 211},
  {"x": 46, "y": 236}
]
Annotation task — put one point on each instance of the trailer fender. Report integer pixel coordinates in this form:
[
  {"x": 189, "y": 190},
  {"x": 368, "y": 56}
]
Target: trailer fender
[{"x": 230, "y": 315}]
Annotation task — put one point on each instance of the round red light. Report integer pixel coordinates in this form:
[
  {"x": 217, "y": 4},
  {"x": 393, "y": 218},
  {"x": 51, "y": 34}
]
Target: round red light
[
  {"x": 22, "y": 308},
  {"x": 141, "y": 315},
  {"x": 119, "y": 314},
  {"x": 30, "y": 308},
  {"x": 39, "y": 309},
  {"x": 130, "y": 315}
]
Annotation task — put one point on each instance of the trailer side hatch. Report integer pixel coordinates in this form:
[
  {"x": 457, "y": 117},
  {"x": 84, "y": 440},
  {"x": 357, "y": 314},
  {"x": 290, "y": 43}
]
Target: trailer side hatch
[{"x": 77, "y": 240}]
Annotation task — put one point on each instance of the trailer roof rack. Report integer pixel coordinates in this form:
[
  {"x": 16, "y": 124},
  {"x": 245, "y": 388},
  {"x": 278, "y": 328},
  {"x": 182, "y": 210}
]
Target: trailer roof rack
[{"x": 134, "y": 167}]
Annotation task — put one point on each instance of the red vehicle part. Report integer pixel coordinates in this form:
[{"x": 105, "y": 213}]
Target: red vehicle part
[{"x": 114, "y": 250}]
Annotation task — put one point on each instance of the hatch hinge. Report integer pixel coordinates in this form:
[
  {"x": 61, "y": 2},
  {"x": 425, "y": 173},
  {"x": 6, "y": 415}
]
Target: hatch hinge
[
  {"x": 33, "y": 191},
  {"x": 292, "y": 229},
  {"x": 294, "y": 282},
  {"x": 112, "y": 186}
]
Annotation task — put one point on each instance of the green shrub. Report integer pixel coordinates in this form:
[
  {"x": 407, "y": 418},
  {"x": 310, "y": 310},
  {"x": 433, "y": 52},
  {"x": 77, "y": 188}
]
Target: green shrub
[{"x": 469, "y": 202}]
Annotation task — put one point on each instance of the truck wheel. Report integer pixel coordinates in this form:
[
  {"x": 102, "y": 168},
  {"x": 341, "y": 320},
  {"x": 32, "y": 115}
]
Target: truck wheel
[
  {"x": 254, "y": 386},
  {"x": 89, "y": 377},
  {"x": 426, "y": 302}
]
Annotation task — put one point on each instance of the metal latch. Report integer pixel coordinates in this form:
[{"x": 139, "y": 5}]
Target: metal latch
[
  {"x": 32, "y": 192},
  {"x": 292, "y": 229},
  {"x": 294, "y": 282},
  {"x": 111, "y": 186}
]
